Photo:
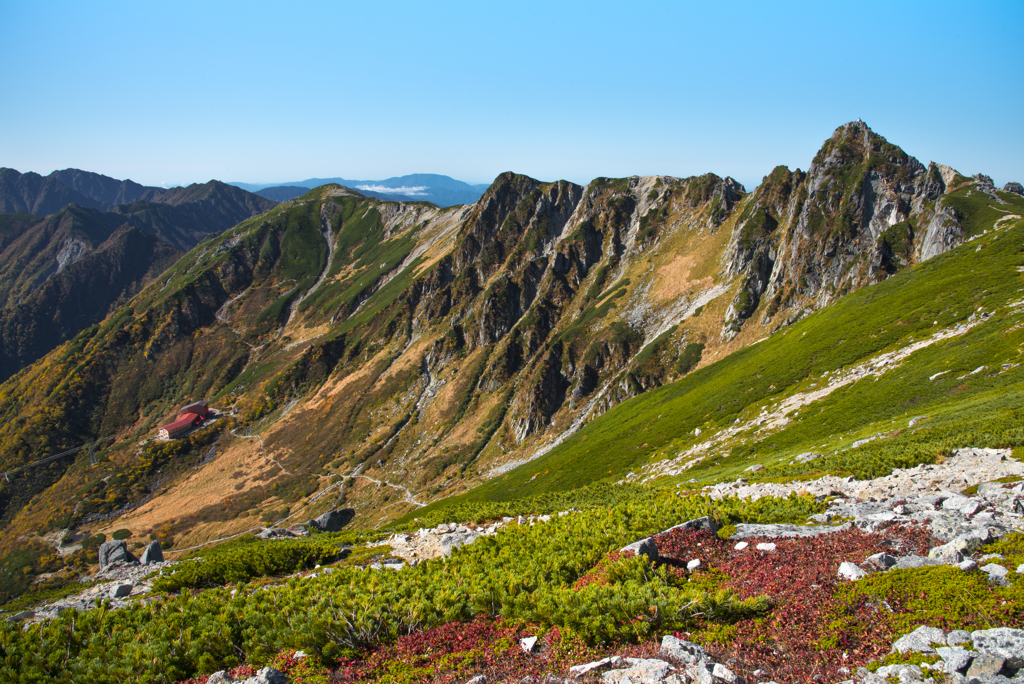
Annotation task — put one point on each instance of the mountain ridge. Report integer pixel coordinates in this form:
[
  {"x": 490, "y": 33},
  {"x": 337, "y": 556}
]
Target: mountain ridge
[
  {"x": 37, "y": 249},
  {"x": 418, "y": 352}
]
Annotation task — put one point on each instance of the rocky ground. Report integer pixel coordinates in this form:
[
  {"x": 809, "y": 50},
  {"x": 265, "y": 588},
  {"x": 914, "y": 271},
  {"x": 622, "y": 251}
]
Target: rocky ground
[
  {"x": 974, "y": 497},
  {"x": 121, "y": 584},
  {"x": 963, "y": 469},
  {"x": 440, "y": 541}
]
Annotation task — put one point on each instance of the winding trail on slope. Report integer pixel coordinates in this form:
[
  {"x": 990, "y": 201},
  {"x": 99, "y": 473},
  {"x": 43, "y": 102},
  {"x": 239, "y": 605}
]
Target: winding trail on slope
[
  {"x": 409, "y": 498},
  {"x": 262, "y": 451},
  {"x": 777, "y": 418}
]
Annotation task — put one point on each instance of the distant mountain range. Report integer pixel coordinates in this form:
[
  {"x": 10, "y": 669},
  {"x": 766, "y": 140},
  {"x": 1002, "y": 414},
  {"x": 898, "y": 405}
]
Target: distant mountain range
[
  {"x": 442, "y": 191},
  {"x": 75, "y": 244},
  {"x": 180, "y": 216}
]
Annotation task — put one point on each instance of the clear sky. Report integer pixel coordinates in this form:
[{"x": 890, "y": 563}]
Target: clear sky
[{"x": 178, "y": 92}]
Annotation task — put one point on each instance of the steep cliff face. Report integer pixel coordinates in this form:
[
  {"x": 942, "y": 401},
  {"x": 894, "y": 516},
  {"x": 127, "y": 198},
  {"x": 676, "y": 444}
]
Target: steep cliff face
[
  {"x": 754, "y": 246},
  {"x": 42, "y": 248},
  {"x": 88, "y": 283},
  {"x": 863, "y": 210},
  {"x": 858, "y": 187}
]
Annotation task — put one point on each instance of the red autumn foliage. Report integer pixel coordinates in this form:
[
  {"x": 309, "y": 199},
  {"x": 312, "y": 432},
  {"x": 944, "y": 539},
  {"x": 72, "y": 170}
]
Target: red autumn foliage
[
  {"x": 598, "y": 575},
  {"x": 800, "y": 578}
]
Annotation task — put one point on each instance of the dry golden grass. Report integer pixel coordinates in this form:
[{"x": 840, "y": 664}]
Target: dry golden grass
[
  {"x": 673, "y": 279},
  {"x": 204, "y": 487},
  {"x": 447, "y": 400},
  {"x": 336, "y": 385}
]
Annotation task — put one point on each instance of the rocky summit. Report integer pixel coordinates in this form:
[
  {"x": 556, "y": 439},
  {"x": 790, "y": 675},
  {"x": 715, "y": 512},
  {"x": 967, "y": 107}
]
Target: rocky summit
[{"x": 647, "y": 429}]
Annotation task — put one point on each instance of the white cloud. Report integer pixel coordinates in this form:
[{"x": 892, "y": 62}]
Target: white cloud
[{"x": 403, "y": 190}]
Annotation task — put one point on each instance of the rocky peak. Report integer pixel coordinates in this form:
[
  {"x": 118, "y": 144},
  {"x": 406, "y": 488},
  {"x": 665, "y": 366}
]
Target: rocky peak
[
  {"x": 753, "y": 246},
  {"x": 864, "y": 209}
]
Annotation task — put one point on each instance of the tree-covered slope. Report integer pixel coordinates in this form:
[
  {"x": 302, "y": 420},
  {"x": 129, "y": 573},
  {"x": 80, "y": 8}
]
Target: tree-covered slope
[{"x": 47, "y": 292}]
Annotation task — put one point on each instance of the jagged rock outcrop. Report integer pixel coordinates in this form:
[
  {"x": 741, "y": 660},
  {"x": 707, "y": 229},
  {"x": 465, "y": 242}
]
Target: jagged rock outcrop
[
  {"x": 863, "y": 210},
  {"x": 333, "y": 521},
  {"x": 546, "y": 395},
  {"x": 942, "y": 233},
  {"x": 858, "y": 187},
  {"x": 154, "y": 553},
  {"x": 753, "y": 247},
  {"x": 115, "y": 551},
  {"x": 431, "y": 347}
]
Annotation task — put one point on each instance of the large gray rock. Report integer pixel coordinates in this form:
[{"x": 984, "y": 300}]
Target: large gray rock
[
  {"x": 974, "y": 539},
  {"x": 985, "y": 666},
  {"x": 455, "y": 540},
  {"x": 121, "y": 590},
  {"x": 941, "y": 234},
  {"x": 866, "y": 677},
  {"x": 920, "y": 640},
  {"x": 882, "y": 561},
  {"x": 721, "y": 673},
  {"x": 115, "y": 551},
  {"x": 333, "y": 521},
  {"x": 958, "y": 637},
  {"x": 220, "y": 677},
  {"x": 901, "y": 671},
  {"x": 639, "y": 671},
  {"x": 705, "y": 524},
  {"x": 947, "y": 553},
  {"x": 267, "y": 675},
  {"x": 747, "y": 530},
  {"x": 644, "y": 547},
  {"x": 154, "y": 553},
  {"x": 700, "y": 674},
  {"x": 684, "y": 651},
  {"x": 904, "y": 562},
  {"x": 1003, "y": 641},
  {"x": 955, "y": 503},
  {"x": 1014, "y": 187},
  {"x": 597, "y": 665},
  {"x": 956, "y": 658},
  {"x": 997, "y": 574},
  {"x": 274, "y": 533},
  {"x": 851, "y": 572}
]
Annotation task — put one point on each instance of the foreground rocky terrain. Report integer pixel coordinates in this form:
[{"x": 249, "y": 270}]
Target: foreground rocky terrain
[{"x": 962, "y": 505}]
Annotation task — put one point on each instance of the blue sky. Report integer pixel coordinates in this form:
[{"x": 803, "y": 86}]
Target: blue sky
[{"x": 262, "y": 92}]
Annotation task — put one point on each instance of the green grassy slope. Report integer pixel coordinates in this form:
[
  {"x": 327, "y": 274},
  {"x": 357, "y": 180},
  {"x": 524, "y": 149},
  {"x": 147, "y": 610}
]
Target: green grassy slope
[{"x": 977, "y": 410}]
